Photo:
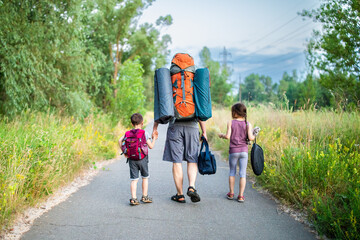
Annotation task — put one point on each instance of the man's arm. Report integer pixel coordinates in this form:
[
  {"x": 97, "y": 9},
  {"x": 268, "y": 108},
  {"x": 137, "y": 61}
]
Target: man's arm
[{"x": 203, "y": 128}]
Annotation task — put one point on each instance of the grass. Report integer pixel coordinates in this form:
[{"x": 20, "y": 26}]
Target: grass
[
  {"x": 312, "y": 162},
  {"x": 40, "y": 152}
]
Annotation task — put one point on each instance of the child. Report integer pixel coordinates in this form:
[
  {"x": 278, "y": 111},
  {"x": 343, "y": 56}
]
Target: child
[
  {"x": 138, "y": 161},
  {"x": 238, "y": 149}
]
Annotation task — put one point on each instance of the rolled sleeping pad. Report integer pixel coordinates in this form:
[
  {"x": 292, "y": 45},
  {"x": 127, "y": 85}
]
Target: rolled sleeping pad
[
  {"x": 202, "y": 94},
  {"x": 163, "y": 99}
]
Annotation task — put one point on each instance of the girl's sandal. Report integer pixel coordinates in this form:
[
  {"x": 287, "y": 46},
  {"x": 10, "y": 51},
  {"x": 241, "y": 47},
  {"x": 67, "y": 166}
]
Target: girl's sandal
[
  {"x": 178, "y": 198},
  {"x": 241, "y": 198},
  {"x": 134, "y": 202},
  {"x": 230, "y": 196},
  {"x": 146, "y": 199}
]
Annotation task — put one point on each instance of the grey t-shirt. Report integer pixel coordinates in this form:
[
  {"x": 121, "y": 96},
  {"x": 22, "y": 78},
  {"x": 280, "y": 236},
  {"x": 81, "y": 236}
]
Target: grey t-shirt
[{"x": 192, "y": 123}]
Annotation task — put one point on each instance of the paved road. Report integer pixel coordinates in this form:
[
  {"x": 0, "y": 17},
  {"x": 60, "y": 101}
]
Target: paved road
[{"x": 101, "y": 209}]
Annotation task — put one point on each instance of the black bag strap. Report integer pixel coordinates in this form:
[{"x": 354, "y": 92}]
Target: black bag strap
[{"x": 206, "y": 144}]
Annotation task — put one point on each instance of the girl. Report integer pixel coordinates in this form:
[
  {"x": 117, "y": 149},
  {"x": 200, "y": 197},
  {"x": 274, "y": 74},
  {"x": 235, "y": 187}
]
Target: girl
[{"x": 239, "y": 131}]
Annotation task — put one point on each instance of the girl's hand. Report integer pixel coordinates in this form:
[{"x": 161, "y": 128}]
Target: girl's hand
[{"x": 221, "y": 135}]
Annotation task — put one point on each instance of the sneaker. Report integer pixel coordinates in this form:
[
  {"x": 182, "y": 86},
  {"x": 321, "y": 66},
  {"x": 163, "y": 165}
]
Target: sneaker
[
  {"x": 241, "y": 198},
  {"x": 230, "y": 196}
]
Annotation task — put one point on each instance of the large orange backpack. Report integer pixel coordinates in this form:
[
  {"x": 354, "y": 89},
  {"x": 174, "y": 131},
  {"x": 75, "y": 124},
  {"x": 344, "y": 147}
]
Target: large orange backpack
[{"x": 182, "y": 77}]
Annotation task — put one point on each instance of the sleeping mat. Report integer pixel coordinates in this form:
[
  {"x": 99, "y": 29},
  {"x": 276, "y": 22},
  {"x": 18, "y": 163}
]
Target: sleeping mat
[
  {"x": 202, "y": 94},
  {"x": 163, "y": 99}
]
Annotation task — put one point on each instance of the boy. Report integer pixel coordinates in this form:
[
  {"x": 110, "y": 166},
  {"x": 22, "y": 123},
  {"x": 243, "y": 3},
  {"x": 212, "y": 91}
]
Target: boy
[{"x": 138, "y": 159}]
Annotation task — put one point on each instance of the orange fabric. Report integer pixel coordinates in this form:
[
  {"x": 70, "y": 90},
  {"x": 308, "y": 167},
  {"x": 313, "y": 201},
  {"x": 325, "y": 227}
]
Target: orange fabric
[
  {"x": 188, "y": 107},
  {"x": 183, "y": 60}
]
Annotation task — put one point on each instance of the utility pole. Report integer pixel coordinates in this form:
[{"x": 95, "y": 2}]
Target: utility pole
[
  {"x": 225, "y": 53},
  {"x": 239, "y": 87}
]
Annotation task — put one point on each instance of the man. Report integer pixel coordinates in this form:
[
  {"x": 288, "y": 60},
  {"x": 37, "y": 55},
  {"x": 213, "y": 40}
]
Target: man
[{"x": 182, "y": 143}]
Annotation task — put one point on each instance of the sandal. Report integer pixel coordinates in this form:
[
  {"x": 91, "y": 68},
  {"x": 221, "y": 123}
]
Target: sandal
[
  {"x": 192, "y": 193},
  {"x": 146, "y": 199},
  {"x": 178, "y": 198},
  {"x": 230, "y": 196},
  {"x": 134, "y": 201},
  {"x": 241, "y": 198}
]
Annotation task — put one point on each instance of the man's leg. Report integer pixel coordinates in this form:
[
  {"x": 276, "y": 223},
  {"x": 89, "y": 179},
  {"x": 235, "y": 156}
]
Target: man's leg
[
  {"x": 178, "y": 177},
  {"x": 145, "y": 184},
  {"x": 192, "y": 172},
  {"x": 192, "y": 169}
]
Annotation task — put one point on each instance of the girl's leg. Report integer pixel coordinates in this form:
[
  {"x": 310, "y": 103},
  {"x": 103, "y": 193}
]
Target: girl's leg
[
  {"x": 133, "y": 186},
  {"x": 145, "y": 185},
  {"x": 233, "y": 159},
  {"x": 243, "y": 165}
]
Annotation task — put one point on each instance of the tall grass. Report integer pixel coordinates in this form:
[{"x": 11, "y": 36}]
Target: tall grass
[
  {"x": 40, "y": 152},
  {"x": 312, "y": 161}
]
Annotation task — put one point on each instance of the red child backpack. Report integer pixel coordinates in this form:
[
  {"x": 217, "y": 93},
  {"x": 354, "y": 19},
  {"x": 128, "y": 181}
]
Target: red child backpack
[
  {"x": 134, "y": 144},
  {"x": 182, "y": 77}
]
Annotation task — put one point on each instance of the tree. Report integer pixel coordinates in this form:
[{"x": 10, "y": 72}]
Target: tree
[
  {"x": 42, "y": 57},
  {"x": 220, "y": 88},
  {"x": 334, "y": 51},
  {"x": 112, "y": 29}
]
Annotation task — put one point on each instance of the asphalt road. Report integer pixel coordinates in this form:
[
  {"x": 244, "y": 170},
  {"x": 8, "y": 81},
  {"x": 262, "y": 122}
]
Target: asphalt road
[{"x": 101, "y": 209}]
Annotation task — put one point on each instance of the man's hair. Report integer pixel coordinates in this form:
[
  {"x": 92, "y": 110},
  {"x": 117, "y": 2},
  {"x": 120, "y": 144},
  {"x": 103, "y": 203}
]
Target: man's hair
[
  {"x": 136, "y": 119},
  {"x": 238, "y": 110}
]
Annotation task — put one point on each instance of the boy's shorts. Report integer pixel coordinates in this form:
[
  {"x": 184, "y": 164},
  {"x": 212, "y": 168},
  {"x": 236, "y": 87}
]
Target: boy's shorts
[
  {"x": 139, "y": 165},
  {"x": 182, "y": 143}
]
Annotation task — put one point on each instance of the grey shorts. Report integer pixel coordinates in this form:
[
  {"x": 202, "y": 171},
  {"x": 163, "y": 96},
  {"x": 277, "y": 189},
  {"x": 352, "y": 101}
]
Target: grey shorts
[
  {"x": 182, "y": 143},
  {"x": 137, "y": 166}
]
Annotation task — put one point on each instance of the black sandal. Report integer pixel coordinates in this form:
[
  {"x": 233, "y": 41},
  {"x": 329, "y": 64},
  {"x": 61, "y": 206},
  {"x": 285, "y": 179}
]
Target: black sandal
[
  {"x": 177, "y": 198},
  {"x": 192, "y": 193}
]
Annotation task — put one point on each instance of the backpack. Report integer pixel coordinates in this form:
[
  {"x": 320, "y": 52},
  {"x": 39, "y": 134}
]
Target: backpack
[
  {"x": 182, "y": 77},
  {"x": 257, "y": 159},
  {"x": 134, "y": 144}
]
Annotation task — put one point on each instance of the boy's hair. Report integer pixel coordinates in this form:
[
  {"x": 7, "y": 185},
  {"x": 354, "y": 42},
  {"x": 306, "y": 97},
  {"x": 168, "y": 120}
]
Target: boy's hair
[
  {"x": 238, "y": 110},
  {"x": 136, "y": 119}
]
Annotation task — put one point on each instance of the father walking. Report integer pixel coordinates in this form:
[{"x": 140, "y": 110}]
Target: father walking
[{"x": 182, "y": 143}]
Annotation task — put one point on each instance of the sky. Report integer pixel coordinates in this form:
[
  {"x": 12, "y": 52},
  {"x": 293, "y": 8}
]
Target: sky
[{"x": 260, "y": 36}]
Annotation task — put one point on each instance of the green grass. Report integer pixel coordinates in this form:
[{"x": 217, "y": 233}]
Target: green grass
[
  {"x": 312, "y": 162},
  {"x": 40, "y": 152}
]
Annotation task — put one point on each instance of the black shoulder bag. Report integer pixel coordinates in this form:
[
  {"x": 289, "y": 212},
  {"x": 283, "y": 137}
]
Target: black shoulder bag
[{"x": 257, "y": 155}]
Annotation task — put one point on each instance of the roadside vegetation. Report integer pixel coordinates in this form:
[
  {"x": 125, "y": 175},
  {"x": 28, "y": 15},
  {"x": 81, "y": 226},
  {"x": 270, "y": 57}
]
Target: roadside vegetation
[
  {"x": 312, "y": 162},
  {"x": 40, "y": 152}
]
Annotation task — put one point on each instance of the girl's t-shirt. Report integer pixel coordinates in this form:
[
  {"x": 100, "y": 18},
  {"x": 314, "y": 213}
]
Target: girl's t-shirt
[{"x": 238, "y": 137}]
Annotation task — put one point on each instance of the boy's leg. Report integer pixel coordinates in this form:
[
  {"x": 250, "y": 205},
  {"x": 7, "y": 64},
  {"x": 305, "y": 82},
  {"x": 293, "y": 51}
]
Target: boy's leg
[
  {"x": 145, "y": 185},
  {"x": 133, "y": 186},
  {"x": 178, "y": 177}
]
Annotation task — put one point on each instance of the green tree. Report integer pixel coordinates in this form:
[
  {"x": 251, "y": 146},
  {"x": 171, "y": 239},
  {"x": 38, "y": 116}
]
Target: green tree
[
  {"x": 112, "y": 30},
  {"x": 220, "y": 88},
  {"x": 254, "y": 89},
  {"x": 42, "y": 57},
  {"x": 334, "y": 51}
]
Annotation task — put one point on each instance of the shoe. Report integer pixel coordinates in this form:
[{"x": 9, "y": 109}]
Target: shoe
[
  {"x": 146, "y": 199},
  {"x": 230, "y": 196},
  {"x": 134, "y": 202},
  {"x": 241, "y": 198},
  {"x": 192, "y": 193},
  {"x": 178, "y": 198}
]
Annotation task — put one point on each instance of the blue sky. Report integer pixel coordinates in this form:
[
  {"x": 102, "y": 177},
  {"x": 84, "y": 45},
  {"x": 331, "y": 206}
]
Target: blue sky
[{"x": 261, "y": 36}]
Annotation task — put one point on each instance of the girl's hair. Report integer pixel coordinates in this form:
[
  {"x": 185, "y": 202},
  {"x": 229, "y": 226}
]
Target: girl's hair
[{"x": 238, "y": 110}]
